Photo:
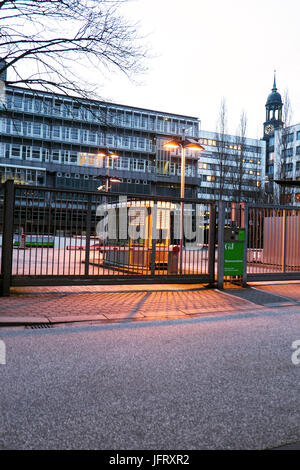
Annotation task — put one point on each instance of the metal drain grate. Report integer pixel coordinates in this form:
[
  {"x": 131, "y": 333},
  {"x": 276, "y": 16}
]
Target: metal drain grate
[{"x": 39, "y": 326}]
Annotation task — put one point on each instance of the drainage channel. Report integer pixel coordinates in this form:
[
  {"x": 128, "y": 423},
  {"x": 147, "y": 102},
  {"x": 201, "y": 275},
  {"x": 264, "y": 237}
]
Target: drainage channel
[{"x": 39, "y": 326}]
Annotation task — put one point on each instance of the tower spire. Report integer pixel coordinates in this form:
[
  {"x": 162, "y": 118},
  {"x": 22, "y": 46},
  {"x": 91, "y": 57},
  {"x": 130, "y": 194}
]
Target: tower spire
[{"x": 274, "y": 84}]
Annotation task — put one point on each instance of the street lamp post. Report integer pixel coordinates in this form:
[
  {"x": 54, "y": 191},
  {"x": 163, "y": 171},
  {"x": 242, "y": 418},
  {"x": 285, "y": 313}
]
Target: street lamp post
[
  {"x": 183, "y": 143},
  {"x": 107, "y": 156}
]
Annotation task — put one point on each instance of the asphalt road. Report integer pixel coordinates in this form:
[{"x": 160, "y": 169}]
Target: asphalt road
[{"x": 201, "y": 383}]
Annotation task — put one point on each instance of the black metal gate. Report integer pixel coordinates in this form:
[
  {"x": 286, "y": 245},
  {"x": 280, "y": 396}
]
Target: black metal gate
[
  {"x": 273, "y": 242},
  {"x": 65, "y": 237}
]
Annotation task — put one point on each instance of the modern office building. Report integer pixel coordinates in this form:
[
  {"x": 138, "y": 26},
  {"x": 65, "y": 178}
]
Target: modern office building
[
  {"x": 282, "y": 153},
  {"x": 53, "y": 140},
  {"x": 57, "y": 141},
  {"x": 231, "y": 168}
]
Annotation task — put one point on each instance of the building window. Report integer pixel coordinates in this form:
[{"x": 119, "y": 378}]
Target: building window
[
  {"x": 18, "y": 101},
  {"x": 36, "y": 153},
  {"x": 285, "y": 198},
  {"x": 16, "y": 126},
  {"x": 16, "y": 151},
  {"x": 37, "y": 129},
  {"x": 126, "y": 141},
  {"x": 74, "y": 133},
  {"x": 288, "y": 167},
  {"x": 56, "y": 131},
  {"x": 288, "y": 138},
  {"x": 73, "y": 157},
  {"x": 287, "y": 152},
  {"x": 202, "y": 166},
  {"x": 92, "y": 137},
  {"x": 55, "y": 155}
]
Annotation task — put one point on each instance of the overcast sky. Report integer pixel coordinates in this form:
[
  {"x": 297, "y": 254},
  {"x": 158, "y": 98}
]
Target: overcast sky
[{"x": 208, "y": 49}]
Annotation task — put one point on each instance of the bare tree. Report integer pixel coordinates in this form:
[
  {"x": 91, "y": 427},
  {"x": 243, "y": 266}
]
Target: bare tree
[
  {"x": 54, "y": 38},
  {"x": 238, "y": 169},
  {"x": 222, "y": 169},
  {"x": 283, "y": 145}
]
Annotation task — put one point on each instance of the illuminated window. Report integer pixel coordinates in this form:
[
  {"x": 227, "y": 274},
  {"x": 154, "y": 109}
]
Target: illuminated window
[{"x": 202, "y": 166}]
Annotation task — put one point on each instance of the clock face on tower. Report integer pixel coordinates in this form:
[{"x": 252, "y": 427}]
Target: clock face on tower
[{"x": 269, "y": 128}]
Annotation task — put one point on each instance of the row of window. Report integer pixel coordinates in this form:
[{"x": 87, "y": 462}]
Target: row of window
[
  {"x": 231, "y": 146},
  {"x": 289, "y": 166},
  {"x": 228, "y": 183},
  {"x": 23, "y": 175},
  {"x": 27, "y": 152},
  {"x": 75, "y": 134},
  {"x": 227, "y": 157},
  {"x": 100, "y": 114},
  {"x": 286, "y": 138},
  {"x": 86, "y": 177}
]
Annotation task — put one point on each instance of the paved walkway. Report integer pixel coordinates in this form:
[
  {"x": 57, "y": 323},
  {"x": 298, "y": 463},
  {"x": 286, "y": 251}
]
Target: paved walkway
[{"x": 127, "y": 303}]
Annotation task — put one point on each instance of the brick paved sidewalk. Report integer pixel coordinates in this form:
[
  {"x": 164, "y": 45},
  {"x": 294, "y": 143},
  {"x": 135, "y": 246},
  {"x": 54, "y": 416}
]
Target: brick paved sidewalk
[
  {"x": 137, "y": 302},
  {"x": 285, "y": 290},
  {"x": 115, "y": 303}
]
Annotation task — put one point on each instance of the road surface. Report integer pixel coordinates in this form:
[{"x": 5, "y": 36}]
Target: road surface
[{"x": 215, "y": 382}]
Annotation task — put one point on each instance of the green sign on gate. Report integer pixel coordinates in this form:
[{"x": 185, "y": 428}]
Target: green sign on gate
[{"x": 234, "y": 255}]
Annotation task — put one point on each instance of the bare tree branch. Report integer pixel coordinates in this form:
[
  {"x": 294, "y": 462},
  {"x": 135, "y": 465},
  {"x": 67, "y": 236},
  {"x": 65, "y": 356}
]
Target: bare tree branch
[{"x": 50, "y": 33}]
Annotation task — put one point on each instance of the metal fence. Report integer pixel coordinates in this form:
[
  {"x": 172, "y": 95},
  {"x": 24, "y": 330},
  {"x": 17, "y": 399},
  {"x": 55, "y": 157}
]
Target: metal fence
[
  {"x": 273, "y": 250},
  {"x": 53, "y": 236},
  {"x": 65, "y": 237}
]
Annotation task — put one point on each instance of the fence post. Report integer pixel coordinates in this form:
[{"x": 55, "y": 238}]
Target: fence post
[
  {"x": 221, "y": 224},
  {"x": 153, "y": 237},
  {"x": 88, "y": 236},
  {"x": 284, "y": 241},
  {"x": 7, "y": 238},
  {"x": 212, "y": 243},
  {"x": 245, "y": 224}
]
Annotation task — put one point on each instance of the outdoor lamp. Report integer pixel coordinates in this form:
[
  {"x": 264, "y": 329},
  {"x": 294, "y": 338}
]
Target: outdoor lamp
[{"x": 182, "y": 142}]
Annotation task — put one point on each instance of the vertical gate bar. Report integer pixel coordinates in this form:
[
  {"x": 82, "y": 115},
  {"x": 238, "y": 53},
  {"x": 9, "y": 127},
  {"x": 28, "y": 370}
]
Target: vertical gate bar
[
  {"x": 245, "y": 224},
  {"x": 8, "y": 233},
  {"x": 65, "y": 231},
  {"x": 37, "y": 233},
  {"x": 54, "y": 230},
  {"x": 48, "y": 200},
  {"x": 59, "y": 231},
  {"x": 212, "y": 242},
  {"x": 95, "y": 243},
  {"x": 80, "y": 212},
  {"x": 31, "y": 228},
  {"x": 153, "y": 236},
  {"x": 88, "y": 235},
  {"x": 70, "y": 237},
  {"x": 43, "y": 233},
  {"x": 284, "y": 241},
  {"x": 221, "y": 223},
  {"x": 25, "y": 229},
  {"x": 20, "y": 233}
]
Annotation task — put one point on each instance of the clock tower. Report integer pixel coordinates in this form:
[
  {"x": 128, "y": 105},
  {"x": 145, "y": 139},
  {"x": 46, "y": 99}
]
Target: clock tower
[
  {"x": 273, "y": 112},
  {"x": 273, "y": 121}
]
